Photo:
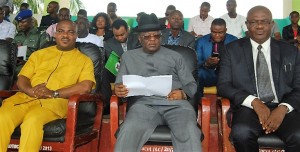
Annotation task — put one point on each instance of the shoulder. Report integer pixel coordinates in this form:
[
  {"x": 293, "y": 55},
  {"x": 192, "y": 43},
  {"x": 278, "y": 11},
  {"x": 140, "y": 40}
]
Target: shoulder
[
  {"x": 287, "y": 27},
  {"x": 187, "y": 34},
  {"x": 110, "y": 42},
  {"x": 282, "y": 44},
  {"x": 225, "y": 16},
  {"x": 195, "y": 18},
  {"x": 241, "y": 17},
  {"x": 210, "y": 18},
  {"x": 239, "y": 43},
  {"x": 230, "y": 37},
  {"x": 205, "y": 38},
  {"x": 169, "y": 52}
]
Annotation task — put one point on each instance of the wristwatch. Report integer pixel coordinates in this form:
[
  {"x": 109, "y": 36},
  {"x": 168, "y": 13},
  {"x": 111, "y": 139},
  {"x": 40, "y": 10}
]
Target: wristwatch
[{"x": 55, "y": 94}]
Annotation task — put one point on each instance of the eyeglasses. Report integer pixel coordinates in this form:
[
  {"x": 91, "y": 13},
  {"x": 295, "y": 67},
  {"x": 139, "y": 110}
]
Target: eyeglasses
[
  {"x": 148, "y": 37},
  {"x": 255, "y": 23}
]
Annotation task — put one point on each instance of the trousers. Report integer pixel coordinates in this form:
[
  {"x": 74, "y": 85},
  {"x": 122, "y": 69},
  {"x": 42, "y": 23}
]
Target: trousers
[
  {"x": 32, "y": 117},
  {"x": 142, "y": 119}
]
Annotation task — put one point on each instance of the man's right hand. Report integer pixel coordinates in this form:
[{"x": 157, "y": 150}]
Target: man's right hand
[
  {"x": 121, "y": 90},
  {"x": 262, "y": 111},
  {"x": 212, "y": 61}
]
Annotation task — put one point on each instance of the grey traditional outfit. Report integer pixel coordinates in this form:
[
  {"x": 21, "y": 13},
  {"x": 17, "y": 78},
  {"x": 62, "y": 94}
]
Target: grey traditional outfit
[{"x": 147, "y": 112}]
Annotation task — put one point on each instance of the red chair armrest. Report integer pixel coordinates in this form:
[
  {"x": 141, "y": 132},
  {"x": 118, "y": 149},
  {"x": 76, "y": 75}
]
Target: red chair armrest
[
  {"x": 114, "y": 119},
  {"x": 73, "y": 105},
  {"x": 224, "y": 130},
  {"x": 204, "y": 116},
  {"x": 7, "y": 93}
]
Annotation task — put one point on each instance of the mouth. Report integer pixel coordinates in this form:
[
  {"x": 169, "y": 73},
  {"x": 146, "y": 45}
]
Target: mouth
[{"x": 64, "y": 40}]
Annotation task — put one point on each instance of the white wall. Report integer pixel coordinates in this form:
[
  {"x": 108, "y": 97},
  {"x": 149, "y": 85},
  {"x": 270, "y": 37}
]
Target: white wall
[{"x": 189, "y": 8}]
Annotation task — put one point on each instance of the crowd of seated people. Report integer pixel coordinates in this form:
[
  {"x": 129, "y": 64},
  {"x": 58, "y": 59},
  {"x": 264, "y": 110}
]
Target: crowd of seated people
[{"x": 207, "y": 35}]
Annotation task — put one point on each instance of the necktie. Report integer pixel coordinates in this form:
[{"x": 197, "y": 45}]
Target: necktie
[{"x": 263, "y": 78}]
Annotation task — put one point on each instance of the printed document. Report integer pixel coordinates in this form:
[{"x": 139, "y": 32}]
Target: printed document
[{"x": 148, "y": 86}]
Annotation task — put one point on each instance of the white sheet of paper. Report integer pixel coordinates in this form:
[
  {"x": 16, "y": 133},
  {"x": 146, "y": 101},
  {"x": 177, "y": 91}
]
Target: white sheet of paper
[
  {"x": 22, "y": 50},
  {"x": 148, "y": 86}
]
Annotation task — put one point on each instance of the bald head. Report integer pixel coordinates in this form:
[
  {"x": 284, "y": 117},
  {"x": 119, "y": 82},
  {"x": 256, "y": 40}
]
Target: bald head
[
  {"x": 259, "y": 23},
  {"x": 262, "y": 9}
]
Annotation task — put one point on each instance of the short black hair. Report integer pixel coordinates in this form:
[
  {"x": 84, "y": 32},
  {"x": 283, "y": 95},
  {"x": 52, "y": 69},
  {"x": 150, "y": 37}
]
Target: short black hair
[
  {"x": 171, "y": 7},
  {"x": 82, "y": 12},
  {"x": 118, "y": 23},
  {"x": 218, "y": 21},
  {"x": 205, "y": 4},
  {"x": 112, "y": 4},
  {"x": 294, "y": 12},
  {"x": 176, "y": 12},
  {"x": 55, "y": 3},
  {"x": 105, "y": 16},
  {"x": 26, "y": 5}
]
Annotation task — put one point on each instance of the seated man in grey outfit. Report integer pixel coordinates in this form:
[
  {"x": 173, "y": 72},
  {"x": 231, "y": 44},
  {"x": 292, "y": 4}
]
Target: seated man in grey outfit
[
  {"x": 176, "y": 35},
  {"x": 147, "y": 112}
]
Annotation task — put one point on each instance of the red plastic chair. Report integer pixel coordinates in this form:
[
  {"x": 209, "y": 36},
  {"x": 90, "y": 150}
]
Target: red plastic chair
[{"x": 267, "y": 143}]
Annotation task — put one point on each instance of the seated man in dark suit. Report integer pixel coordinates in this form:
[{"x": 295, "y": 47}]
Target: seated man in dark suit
[
  {"x": 122, "y": 41},
  {"x": 175, "y": 35},
  {"x": 260, "y": 76},
  {"x": 208, "y": 48},
  {"x": 147, "y": 112}
]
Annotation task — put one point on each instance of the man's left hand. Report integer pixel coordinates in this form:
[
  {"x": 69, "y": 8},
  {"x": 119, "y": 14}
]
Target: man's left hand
[
  {"x": 275, "y": 119},
  {"x": 175, "y": 95},
  {"x": 42, "y": 92}
]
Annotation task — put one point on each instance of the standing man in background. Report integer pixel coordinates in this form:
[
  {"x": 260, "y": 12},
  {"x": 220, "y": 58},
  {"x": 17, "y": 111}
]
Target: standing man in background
[
  {"x": 164, "y": 20},
  {"x": 200, "y": 24},
  {"x": 111, "y": 12},
  {"x": 235, "y": 23},
  {"x": 52, "y": 17}
]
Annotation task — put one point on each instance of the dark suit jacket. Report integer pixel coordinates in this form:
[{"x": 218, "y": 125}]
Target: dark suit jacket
[
  {"x": 114, "y": 45},
  {"x": 237, "y": 78},
  {"x": 186, "y": 38},
  {"x": 288, "y": 34},
  {"x": 162, "y": 21}
]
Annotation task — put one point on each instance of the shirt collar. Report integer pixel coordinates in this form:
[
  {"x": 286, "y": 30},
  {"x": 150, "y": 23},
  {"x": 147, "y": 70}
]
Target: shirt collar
[
  {"x": 179, "y": 34},
  {"x": 265, "y": 45}
]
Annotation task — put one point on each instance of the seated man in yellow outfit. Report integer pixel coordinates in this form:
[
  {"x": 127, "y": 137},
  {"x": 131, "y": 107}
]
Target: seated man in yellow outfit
[{"x": 47, "y": 80}]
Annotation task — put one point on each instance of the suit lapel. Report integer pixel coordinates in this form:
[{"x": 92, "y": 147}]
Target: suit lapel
[
  {"x": 118, "y": 48},
  {"x": 275, "y": 62},
  {"x": 247, "y": 48}
]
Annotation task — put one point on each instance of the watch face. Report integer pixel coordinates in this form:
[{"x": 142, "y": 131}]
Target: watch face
[{"x": 56, "y": 94}]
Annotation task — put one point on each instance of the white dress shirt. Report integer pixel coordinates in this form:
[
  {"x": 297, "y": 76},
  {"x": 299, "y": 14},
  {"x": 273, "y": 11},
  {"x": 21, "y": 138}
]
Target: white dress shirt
[
  {"x": 235, "y": 26},
  {"x": 199, "y": 26},
  {"x": 267, "y": 53},
  {"x": 7, "y": 30}
]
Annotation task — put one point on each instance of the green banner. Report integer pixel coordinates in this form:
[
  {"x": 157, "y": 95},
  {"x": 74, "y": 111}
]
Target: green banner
[{"x": 113, "y": 63}]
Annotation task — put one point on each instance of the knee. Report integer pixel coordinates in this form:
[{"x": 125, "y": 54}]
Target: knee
[
  {"x": 32, "y": 122},
  {"x": 242, "y": 134},
  {"x": 191, "y": 130},
  {"x": 294, "y": 139}
]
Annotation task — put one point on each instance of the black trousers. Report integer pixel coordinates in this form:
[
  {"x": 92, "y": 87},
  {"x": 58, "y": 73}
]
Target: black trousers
[{"x": 246, "y": 129}]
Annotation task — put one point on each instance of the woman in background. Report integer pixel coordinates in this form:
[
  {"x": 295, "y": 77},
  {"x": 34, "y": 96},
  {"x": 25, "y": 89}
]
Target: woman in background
[{"x": 101, "y": 26}]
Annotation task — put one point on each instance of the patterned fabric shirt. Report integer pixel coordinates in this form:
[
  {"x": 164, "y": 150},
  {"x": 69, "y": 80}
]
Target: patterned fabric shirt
[{"x": 173, "y": 40}]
